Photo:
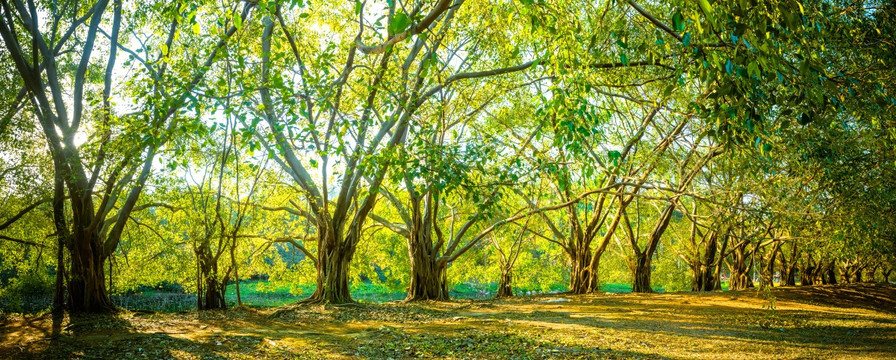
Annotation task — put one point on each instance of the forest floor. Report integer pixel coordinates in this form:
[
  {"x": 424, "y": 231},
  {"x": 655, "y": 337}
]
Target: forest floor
[{"x": 851, "y": 321}]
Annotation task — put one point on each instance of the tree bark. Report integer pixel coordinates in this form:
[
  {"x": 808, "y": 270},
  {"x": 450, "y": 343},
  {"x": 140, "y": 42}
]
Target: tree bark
[
  {"x": 740, "y": 277},
  {"x": 505, "y": 286},
  {"x": 61, "y": 238},
  {"x": 831, "y": 275},
  {"x": 718, "y": 268},
  {"x": 641, "y": 265},
  {"x": 767, "y": 275},
  {"x": 582, "y": 279},
  {"x": 641, "y": 269},
  {"x": 429, "y": 278},
  {"x": 705, "y": 269},
  {"x": 211, "y": 294},
  {"x": 806, "y": 277},
  {"x": 333, "y": 265},
  {"x": 87, "y": 285}
]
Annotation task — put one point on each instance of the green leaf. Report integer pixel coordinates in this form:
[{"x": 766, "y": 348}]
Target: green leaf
[
  {"x": 399, "y": 23},
  {"x": 624, "y": 59},
  {"x": 707, "y": 10},
  {"x": 678, "y": 21}
]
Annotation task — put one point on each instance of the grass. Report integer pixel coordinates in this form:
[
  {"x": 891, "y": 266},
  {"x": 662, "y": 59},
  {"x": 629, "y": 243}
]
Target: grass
[{"x": 850, "y": 321}]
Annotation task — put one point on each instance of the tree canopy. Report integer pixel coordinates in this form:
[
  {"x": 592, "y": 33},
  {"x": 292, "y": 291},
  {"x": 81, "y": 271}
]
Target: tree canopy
[{"x": 422, "y": 145}]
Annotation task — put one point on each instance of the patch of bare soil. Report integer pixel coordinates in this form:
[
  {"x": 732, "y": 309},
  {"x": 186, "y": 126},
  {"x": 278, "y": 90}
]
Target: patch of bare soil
[{"x": 852, "y": 321}]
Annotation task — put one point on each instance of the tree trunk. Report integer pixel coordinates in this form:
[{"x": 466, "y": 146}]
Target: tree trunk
[
  {"x": 704, "y": 271},
  {"x": 211, "y": 294},
  {"x": 333, "y": 265},
  {"x": 869, "y": 276},
  {"x": 806, "y": 278},
  {"x": 767, "y": 275},
  {"x": 87, "y": 285},
  {"x": 740, "y": 274},
  {"x": 236, "y": 273},
  {"x": 717, "y": 276},
  {"x": 505, "y": 286},
  {"x": 59, "y": 294},
  {"x": 582, "y": 277},
  {"x": 429, "y": 278},
  {"x": 845, "y": 276},
  {"x": 641, "y": 274},
  {"x": 788, "y": 276},
  {"x": 831, "y": 275},
  {"x": 213, "y": 297},
  {"x": 62, "y": 237}
]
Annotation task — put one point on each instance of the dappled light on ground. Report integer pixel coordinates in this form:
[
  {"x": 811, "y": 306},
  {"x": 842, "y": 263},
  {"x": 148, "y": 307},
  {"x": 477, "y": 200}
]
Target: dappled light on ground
[{"x": 855, "y": 321}]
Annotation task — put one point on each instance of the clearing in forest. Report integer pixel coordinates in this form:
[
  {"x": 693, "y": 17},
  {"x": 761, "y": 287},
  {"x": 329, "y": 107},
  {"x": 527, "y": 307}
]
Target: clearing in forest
[{"x": 846, "y": 321}]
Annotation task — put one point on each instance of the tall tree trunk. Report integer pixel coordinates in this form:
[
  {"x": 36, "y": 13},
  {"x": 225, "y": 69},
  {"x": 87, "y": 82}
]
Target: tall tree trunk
[
  {"x": 429, "y": 278},
  {"x": 704, "y": 271},
  {"x": 718, "y": 268},
  {"x": 845, "y": 275},
  {"x": 740, "y": 274},
  {"x": 87, "y": 285},
  {"x": 831, "y": 275},
  {"x": 641, "y": 265},
  {"x": 789, "y": 266},
  {"x": 236, "y": 273},
  {"x": 59, "y": 293},
  {"x": 211, "y": 295},
  {"x": 62, "y": 237},
  {"x": 641, "y": 269},
  {"x": 767, "y": 274},
  {"x": 333, "y": 264},
  {"x": 505, "y": 285},
  {"x": 788, "y": 275},
  {"x": 582, "y": 280},
  {"x": 806, "y": 277}
]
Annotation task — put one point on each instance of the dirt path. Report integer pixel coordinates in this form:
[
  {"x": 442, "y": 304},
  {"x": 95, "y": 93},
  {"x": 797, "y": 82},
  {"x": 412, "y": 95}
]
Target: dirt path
[{"x": 856, "y": 321}]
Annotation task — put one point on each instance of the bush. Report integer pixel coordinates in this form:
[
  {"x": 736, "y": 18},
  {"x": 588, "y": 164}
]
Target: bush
[{"x": 29, "y": 292}]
